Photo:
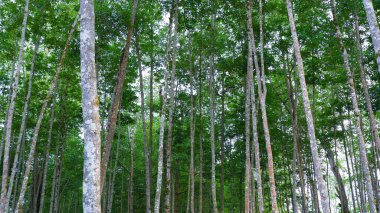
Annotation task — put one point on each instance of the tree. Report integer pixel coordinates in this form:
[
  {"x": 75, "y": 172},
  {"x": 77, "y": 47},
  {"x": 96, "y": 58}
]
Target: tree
[
  {"x": 358, "y": 126},
  {"x": 309, "y": 117},
  {"x": 373, "y": 28},
  {"x": 90, "y": 105},
  {"x": 10, "y": 111}
]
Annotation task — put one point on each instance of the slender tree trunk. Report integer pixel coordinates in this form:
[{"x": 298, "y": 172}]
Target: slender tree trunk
[
  {"x": 200, "y": 140},
  {"x": 192, "y": 130},
  {"x": 47, "y": 154},
  {"x": 90, "y": 105},
  {"x": 341, "y": 191},
  {"x": 212, "y": 122},
  {"x": 254, "y": 114},
  {"x": 171, "y": 110},
  {"x": 22, "y": 128},
  {"x": 248, "y": 84},
  {"x": 358, "y": 127},
  {"x": 222, "y": 141},
  {"x": 363, "y": 80},
  {"x": 10, "y": 111},
  {"x": 188, "y": 197},
  {"x": 54, "y": 183},
  {"x": 146, "y": 148},
  {"x": 116, "y": 99},
  {"x": 293, "y": 112},
  {"x": 39, "y": 121},
  {"x": 348, "y": 165},
  {"x": 163, "y": 114},
  {"x": 131, "y": 163},
  {"x": 373, "y": 28},
  {"x": 151, "y": 120},
  {"x": 262, "y": 97},
  {"x": 109, "y": 206},
  {"x": 8, "y": 100},
  {"x": 309, "y": 117}
]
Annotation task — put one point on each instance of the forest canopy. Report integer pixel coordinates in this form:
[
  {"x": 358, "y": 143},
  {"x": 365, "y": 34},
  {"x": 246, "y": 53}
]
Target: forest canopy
[{"x": 190, "y": 106}]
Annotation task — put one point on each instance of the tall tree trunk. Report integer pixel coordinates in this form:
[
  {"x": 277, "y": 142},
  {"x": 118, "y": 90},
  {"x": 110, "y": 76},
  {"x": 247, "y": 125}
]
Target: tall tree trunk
[
  {"x": 10, "y": 111},
  {"x": 262, "y": 91},
  {"x": 39, "y": 120},
  {"x": 348, "y": 164},
  {"x": 248, "y": 84},
  {"x": 222, "y": 141},
  {"x": 116, "y": 99},
  {"x": 146, "y": 148},
  {"x": 212, "y": 120},
  {"x": 200, "y": 140},
  {"x": 254, "y": 113},
  {"x": 131, "y": 164},
  {"x": 293, "y": 112},
  {"x": 8, "y": 100},
  {"x": 341, "y": 191},
  {"x": 363, "y": 80},
  {"x": 54, "y": 182},
  {"x": 90, "y": 106},
  {"x": 192, "y": 128},
  {"x": 22, "y": 128},
  {"x": 112, "y": 184},
  {"x": 373, "y": 28},
  {"x": 171, "y": 111},
  {"x": 309, "y": 117},
  {"x": 157, "y": 198},
  {"x": 358, "y": 127},
  {"x": 151, "y": 120},
  {"x": 47, "y": 154}
]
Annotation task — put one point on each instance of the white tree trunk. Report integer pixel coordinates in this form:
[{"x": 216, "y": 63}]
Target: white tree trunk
[
  {"x": 373, "y": 28},
  {"x": 357, "y": 115},
  {"x": 157, "y": 198},
  {"x": 212, "y": 122},
  {"x": 90, "y": 107},
  {"x": 309, "y": 117},
  {"x": 10, "y": 112}
]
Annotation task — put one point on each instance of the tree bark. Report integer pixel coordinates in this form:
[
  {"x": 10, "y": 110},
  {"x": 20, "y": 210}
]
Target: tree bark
[
  {"x": 200, "y": 140},
  {"x": 171, "y": 111},
  {"x": 10, "y": 111},
  {"x": 212, "y": 121},
  {"x": 146, "y": 148},
  {"x": 348, "y": 165},
  {"x": 47, "y": 154},
  {"x": 341, "y": 191},
  {"x": 109, "y": 205},
  {"x": 163, "y": 113},
  {"x": 358, "y": 125},
  {"x": 116, "y": 99},
  {"x": 131, "y": 164},
  {"x": 248, "y": 84},
  {"x": 222, "y": 142},
  {"x": 363, "y": 80},
  {"x": 309, "y": 117},
  {"x": 192, "y": 129},
  {"x": 254, "y": 119},
  {"x": 262, "y": 91},
  {"x": 90, "y": 106},
  {"x": 373, "y": 28},
  {"x": 293, "y": 112}
]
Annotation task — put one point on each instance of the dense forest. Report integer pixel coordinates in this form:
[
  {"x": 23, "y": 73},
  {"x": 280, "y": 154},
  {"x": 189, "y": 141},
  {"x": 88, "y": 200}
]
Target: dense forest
[{"x": 190, "y": 106}]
